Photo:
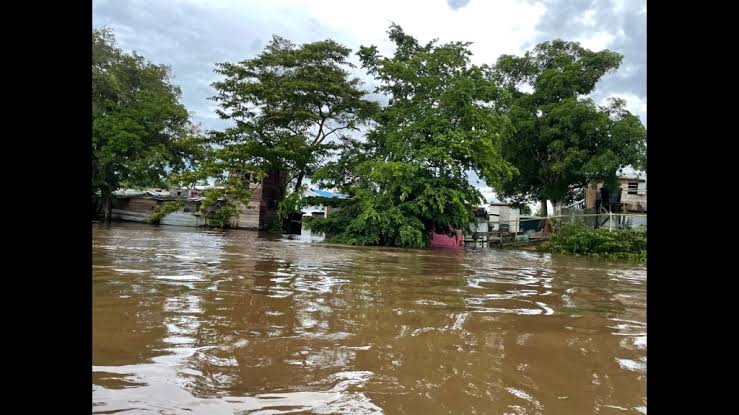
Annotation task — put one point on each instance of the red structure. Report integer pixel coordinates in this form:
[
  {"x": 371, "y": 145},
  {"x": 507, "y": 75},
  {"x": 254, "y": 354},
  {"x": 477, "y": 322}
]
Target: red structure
[{"x": 440, "y": 240}]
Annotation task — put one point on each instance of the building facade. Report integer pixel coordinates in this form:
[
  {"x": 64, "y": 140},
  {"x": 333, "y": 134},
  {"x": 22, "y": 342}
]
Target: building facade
[{"x": 631, "y": 198}]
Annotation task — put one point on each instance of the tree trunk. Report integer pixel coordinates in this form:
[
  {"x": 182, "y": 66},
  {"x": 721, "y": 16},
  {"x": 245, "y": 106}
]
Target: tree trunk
[
  {"x": 107, "y": 208},
  {"x": 544, "y": 212},
  {"x": 299, "y": 182}
]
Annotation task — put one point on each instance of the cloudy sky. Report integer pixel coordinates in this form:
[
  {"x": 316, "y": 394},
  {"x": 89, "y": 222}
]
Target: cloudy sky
[{"x": 192, "y": 35}]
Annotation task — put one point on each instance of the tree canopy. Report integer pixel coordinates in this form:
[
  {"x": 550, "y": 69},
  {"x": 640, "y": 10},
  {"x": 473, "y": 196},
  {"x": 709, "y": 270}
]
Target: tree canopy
[
  {"x": 140, "y": 129},
  {"x": 562, "y": 139},
  {"x": 408, "y": 178},
  {"x": 290, "y": 106}
]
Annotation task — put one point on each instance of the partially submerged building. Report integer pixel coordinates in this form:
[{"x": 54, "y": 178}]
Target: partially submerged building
[
  {"x": 495, "y": 221},
  {"x": 631, "y": 197},
  {"x": 503, "y": 217},
  {"x": 325, "y": 202},
  {"x": 139, "y": 205},
  {"x": 256, "y": 214},
  {"x": 440, "y": 240}
]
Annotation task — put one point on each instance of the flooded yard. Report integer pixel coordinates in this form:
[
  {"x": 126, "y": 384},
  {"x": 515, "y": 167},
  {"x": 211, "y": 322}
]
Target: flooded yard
[{"x": 189, "y": 321}]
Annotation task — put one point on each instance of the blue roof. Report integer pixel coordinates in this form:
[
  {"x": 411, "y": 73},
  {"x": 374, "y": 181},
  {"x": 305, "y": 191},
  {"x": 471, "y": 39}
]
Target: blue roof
[{"x": 327, "y": 194}]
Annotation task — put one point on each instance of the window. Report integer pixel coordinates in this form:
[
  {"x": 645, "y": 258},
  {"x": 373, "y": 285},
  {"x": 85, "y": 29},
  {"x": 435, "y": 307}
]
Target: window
[{"x": 633, "y": 186}]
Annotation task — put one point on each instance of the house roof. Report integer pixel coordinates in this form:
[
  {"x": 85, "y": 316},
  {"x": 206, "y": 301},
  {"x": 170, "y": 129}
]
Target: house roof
[
  {"x": 629, "y": 172},
  {"x": 129, "y": 192},
  {"x": 208, "y": 187},
  {"x": 126, "y": 193},
  {"x": 325, "y": 193}
]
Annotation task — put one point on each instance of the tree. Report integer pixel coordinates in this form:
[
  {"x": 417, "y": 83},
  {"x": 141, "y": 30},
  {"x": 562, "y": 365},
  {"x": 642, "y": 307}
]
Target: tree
[
  {"x": 408, "y": 178},
  {"x": 291, "y": 107},
  {"x": 140, "y": 130},
  {"x": 523, "y": 208},
  {"x": 563, "y": 140}
]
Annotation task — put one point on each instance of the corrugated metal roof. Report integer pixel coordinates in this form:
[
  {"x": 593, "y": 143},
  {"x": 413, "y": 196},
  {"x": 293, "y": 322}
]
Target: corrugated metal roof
[
  {"x": 159, "y": 193},
  {"x": 138, "y": 193},
  {"x": 629, "y": 172},
  {"x": 129, "y": 192},
  {"x": 324, "y": 193}
]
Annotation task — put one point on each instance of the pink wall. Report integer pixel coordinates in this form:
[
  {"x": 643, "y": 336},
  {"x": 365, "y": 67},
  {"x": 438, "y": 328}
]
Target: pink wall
[{"x": 440, "y": 240}]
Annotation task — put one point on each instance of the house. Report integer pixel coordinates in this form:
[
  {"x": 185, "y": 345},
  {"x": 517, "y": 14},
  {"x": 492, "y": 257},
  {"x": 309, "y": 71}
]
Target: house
[
  {"x": 261, "y": 210},
  {"x": 479, "y": 228},
  {"x": 497, "y": 216},
  {"x": 325, "y": 205},
  {"x": 138, "y": 205},
  {"x": 256, "y": 214},
  {"x": 632, "y": 197},
  {"x": 503, "y": 215}
]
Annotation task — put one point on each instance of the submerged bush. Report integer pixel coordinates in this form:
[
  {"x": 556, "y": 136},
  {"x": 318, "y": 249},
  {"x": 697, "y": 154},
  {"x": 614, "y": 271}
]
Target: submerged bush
[
  {"x": 165, "y": 209},
  {"x": 619, "y": 243},
  {"x": 221, "y": 215}
]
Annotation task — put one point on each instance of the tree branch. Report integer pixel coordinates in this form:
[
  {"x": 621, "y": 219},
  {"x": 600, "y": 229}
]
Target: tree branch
[
  {"x": 331, "y": 132},
  {"x": 320, "y": 131}
]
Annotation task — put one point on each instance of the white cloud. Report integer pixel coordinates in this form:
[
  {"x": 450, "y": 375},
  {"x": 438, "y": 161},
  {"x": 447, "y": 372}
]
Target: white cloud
[
  {"x": 192, "y": 35},
  {"x": 488, "y": 193},
  {"x": 494, "y": 27},
  {"x": 587, "y": 18},
  {"x": 597, "y": 41},
  {"x": 619, "y": 5},
  {"x": 634, "y": 103}
]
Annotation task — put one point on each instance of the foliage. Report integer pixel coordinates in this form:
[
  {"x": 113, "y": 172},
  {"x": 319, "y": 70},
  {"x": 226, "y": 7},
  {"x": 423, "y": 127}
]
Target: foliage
[
  {"x": 274, "y": 226},
  {"x": 290, "y": 106},
  {"x": 220, "y": 204},
  {"x": 523, "y": 208},
  {"x": 291, "y": 205},
  {"x": 140, "y": 130},
  {"x": 165, "y": 209},
  {"x": 222, "y": 214},
  {"x": 563, "y": 140},
  {"x": 324, "y": 201},
  {"x": 619, "y": 243},
  {"x": 409, "y": 177}
]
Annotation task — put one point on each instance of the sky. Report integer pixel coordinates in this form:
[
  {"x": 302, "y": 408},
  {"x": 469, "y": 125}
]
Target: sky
[{"x": 192, "y": 35}]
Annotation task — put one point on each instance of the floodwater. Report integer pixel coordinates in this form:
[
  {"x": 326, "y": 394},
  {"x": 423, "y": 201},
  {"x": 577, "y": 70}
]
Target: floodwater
[{"x": 189, "y": 321}]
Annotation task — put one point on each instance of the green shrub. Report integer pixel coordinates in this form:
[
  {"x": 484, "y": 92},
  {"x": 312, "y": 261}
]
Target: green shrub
[{"x": 619, "y": 243}]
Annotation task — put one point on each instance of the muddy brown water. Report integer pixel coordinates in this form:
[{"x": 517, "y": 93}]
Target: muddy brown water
[{"x": 189, "y": 321}]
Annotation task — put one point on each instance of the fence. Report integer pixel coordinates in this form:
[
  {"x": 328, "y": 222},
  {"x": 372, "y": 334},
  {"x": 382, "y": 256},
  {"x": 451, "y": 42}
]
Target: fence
[
  {"x": 530, "y": 228},
  {"x": 591, "y": 218},
  {"x": 588, "y": 218}
]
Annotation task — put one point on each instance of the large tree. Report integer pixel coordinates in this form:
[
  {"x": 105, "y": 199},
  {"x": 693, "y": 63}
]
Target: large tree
[
  {"x": 290, "y": 106},
  {"x": 140, "y": 130},
  {"x": 563, "y": 140},
  {"x": 408, "y": 179}
]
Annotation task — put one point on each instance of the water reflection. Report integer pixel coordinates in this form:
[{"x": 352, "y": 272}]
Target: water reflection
[{"x": 234, "y": 322}]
